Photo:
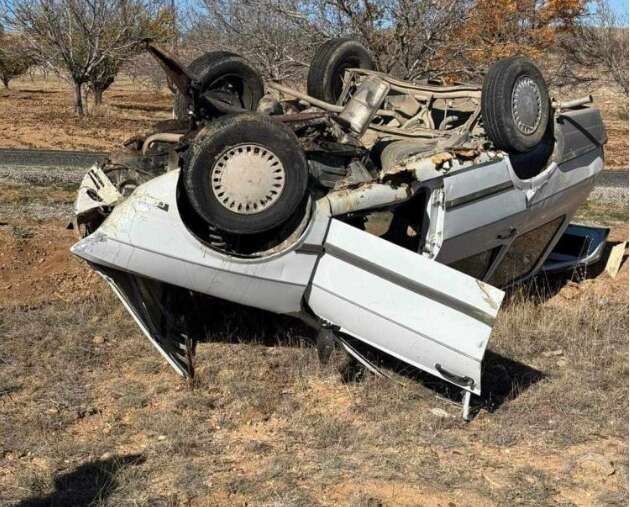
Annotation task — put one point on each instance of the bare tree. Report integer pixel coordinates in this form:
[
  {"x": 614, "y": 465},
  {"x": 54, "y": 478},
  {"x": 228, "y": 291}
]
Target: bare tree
[
  {"x": 276, "y": 35},
  {"x": 145, "y": 70},
  {"x": 75, "y": 37},
  {"x": 159, "y": 27},
  {"x": 102, "y": 76},
  {"x": 280, "y": 36},
  {"x": 406, "y": 36},
  {"x": 599, "y": 41}
]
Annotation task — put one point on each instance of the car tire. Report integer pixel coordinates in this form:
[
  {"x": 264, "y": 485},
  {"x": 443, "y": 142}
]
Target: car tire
[
  {"x": 235, "y": 150},
  {"x": 325, "y": 76},
  {"x": 220, "y": 69},
  {"x": 515, "y": 104}
]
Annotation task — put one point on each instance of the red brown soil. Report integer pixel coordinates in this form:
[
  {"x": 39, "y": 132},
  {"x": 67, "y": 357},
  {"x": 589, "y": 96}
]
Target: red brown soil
[{"x": 41, "y": 268}]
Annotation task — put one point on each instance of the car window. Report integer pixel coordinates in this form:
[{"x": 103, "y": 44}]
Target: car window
[
  {"x": 524, "y": 253},
  {"x": 475, "y": 265}
]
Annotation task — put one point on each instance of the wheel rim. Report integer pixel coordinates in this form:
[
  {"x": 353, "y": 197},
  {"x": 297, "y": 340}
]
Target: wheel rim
[
  {"x": 526, "y": 105},
  {"x": 247, "y": 179},
  {"x": 340, "y": 71}
]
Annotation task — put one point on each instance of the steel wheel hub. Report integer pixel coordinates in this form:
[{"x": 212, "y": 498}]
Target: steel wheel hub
[
  {"x": 526, "y": 105},
  {"x": 247, "y": 179}
]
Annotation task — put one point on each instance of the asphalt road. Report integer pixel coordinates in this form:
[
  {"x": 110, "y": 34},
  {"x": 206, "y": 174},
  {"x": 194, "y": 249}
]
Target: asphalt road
[
  {"x": 613, "y": 179},
  {"x": 49, "y": 158}
]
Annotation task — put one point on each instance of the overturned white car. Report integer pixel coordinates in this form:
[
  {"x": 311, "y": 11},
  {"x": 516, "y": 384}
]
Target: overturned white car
[{"x": 373, "y": 209}]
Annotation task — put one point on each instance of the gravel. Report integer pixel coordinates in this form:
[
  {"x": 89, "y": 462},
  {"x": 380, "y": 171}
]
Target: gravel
[
  {"x": 41, "y": 175},
  {"x": 11, "y": 213},
  {"x": 609, "y": 194}
]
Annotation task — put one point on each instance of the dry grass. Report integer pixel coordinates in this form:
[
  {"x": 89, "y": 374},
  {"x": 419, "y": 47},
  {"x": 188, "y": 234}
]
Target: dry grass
[
  {"x": 107, "y": 422},
  {"x": 83, "y": 422},
  {"x": 603, "y": 213},
  {"x": 267, "y": 426}
]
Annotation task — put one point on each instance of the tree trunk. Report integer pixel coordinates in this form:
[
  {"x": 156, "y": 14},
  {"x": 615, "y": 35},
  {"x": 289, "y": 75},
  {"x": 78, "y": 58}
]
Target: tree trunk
[
  {"x": 78, "y": 99},
  {"x": 98, "y": 96}
]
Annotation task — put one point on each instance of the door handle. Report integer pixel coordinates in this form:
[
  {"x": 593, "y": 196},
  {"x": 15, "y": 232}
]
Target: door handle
[
  {"x": 456, "y": 379},
  {"x": 507, "y": 235}
]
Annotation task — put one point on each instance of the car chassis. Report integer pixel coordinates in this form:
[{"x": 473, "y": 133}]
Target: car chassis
[{"x": 465, "y": 217}]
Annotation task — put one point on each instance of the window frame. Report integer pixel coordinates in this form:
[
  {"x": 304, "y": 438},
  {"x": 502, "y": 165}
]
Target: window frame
[{"x": 496, "y": 264}]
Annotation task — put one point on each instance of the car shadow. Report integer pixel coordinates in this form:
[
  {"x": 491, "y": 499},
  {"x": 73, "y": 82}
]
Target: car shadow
[
  {"x": 85, "y": 485},
  {"x": 502, "y": 379},
  {"x": 234, "y": 323},
  {"x": 39, "y": 91}
]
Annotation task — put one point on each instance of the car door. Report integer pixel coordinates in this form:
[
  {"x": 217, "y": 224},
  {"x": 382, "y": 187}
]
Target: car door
[
  {"x": 407, "y": 305},
  {"x": 483, "y": 212}
]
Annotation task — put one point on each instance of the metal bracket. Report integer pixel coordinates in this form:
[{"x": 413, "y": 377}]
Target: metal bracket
[
  {"x": 465, "y": 381},
  {"x": 361, "y": 358},
  {"x": 466, "y": 405}
]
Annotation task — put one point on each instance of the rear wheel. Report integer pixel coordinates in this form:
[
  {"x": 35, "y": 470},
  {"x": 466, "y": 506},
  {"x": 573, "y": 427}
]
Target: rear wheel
[
  {"x": 331, "y": 60},
  {"x": 515, "y": 104},
  {"x": 229, "y": 76},
  {"x": 245, "y": 174}
]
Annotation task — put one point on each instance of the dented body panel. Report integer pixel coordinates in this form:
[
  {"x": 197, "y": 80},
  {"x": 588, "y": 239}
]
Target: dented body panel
[
  {"x": 489, "y": 207},
  {"x": 145, "y": 235}
]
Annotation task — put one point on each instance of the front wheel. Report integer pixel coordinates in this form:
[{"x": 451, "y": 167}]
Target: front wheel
[{"x": 245, "y": 174}]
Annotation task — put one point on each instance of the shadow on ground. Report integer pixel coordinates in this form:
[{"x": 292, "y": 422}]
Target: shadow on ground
[
  {"x": 84, "y": 485},
  {"x": 147, "y": 108},
  {"x": 503, "y": 379}
]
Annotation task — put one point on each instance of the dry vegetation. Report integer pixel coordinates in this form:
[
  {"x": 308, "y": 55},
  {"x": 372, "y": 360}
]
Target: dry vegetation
[{"x": 91, "y": 414}]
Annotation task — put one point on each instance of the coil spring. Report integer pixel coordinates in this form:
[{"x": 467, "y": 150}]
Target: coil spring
[{"x": 216, "y": 239}]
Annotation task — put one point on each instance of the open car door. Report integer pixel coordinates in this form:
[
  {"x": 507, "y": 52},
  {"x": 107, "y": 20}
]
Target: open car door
[{"x": 416, "y": 309}]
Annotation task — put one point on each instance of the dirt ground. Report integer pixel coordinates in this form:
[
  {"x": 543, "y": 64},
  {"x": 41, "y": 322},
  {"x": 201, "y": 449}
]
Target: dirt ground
[
  {"x": 91, "y": 415},
  {"x": 37, "y": 113},
  {"x": 614, "y": 107}
]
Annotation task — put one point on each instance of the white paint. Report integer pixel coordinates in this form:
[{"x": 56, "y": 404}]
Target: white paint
[{"x": 411, "y": 307}]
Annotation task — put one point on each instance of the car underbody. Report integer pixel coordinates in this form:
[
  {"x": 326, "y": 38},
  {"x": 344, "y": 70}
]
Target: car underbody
[{"x": 412, "y": 219}]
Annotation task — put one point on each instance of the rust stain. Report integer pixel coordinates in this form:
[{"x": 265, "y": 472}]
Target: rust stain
[{"x": 439, "y": 158}]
